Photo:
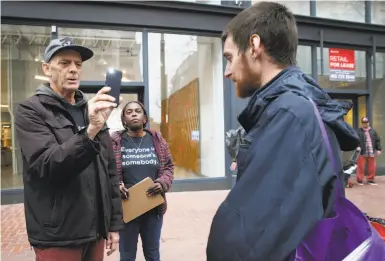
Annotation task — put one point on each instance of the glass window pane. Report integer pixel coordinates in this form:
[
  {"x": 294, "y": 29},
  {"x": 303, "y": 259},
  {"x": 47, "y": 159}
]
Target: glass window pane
[
  {"x": 379, "y": 104},
  {"x": 186, "y": 101},
  {"x": 112, "y": 48},
  {"x": 341, "y": 10},
  {"x": 342, "y": 69},
  {"x": 297, "y": 7},
  {"x": 210, "y": 2},
  {"x": 378, "y": 12},
  {"x": 361, "y": 108},
  {"x": 304, "y": 59},
  {"x": 21, "y": 58}
]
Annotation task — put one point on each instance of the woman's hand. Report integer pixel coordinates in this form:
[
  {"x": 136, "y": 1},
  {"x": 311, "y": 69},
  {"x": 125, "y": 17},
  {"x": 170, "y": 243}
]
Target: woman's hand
[
  {"x": 233, "y": 166},
  {"x": 123, "y": 191},
  {"x": 155, "y": 189}
]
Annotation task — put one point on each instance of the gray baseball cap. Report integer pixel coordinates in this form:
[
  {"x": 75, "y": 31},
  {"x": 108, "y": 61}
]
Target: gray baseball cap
[{"x": 66, "y": 43}]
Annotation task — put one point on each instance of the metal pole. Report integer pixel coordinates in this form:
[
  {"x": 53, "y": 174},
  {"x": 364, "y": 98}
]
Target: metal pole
[{"x": 322, "y": 51}]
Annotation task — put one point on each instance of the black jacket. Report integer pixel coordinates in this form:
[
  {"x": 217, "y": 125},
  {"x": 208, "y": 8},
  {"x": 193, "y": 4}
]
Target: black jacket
[
  {"x": 59, "y": 165},
  {"x": 376, "y": 141}
]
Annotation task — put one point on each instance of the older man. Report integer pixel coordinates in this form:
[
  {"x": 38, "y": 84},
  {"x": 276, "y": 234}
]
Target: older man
[
  {"x": 72, "y": 199},
  {"x": 369, "y": 148}
]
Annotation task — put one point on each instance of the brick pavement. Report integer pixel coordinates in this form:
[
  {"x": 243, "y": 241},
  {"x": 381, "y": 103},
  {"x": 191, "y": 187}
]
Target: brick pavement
[{"x": 185, "y": 228}]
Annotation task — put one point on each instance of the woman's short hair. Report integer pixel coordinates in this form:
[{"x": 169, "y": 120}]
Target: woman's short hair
[{"x": 124, "y": 109}]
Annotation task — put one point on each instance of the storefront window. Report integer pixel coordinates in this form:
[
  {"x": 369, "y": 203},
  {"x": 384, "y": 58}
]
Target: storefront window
[
  {"x": 378, "y": 102},
  {"x": 21, "y": 52},
  {"x": 186, "y": 101},
  {"x": 342, "y": 69},
  {"x": 342, "y": 10},
  {"x": 362, "y": 109},
  {"x": 304, "y": 59},
  {"x": 112, "y": 49},
  {"x": 210, "y": 2},
  {"x": 378, "y": 12},
  {"x": 297, "y": 7}
]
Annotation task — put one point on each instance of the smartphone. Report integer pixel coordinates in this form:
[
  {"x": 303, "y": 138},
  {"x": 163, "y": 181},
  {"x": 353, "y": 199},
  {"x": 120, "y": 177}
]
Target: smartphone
[{"x": 114, "y": 80}]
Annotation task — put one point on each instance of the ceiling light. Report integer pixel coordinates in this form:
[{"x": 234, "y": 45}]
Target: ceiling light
[{"x": 42, "y": 78}]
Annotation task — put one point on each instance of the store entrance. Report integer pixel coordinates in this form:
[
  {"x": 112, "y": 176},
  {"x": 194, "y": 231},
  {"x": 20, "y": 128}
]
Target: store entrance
[
  {"x": 354, "y": 116},
  {"x": 358, "y": 110}
]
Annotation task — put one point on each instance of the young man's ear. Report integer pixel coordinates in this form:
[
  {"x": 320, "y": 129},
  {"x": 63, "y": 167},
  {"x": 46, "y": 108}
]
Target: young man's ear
[{"x": 255, "y": 44}]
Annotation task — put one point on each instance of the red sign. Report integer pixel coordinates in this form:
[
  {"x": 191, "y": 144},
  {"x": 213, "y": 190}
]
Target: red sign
[{"x": 342, "y": 59}]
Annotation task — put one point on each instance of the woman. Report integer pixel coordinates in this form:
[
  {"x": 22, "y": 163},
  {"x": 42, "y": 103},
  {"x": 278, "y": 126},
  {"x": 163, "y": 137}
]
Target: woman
[{"x": 142, "y": 153}]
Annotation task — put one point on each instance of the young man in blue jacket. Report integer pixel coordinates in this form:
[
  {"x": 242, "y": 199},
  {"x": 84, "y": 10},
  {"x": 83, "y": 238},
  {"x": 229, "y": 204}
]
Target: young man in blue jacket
[{"x": 286, "y": 182}]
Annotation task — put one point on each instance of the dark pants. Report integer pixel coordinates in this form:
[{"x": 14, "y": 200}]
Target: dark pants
[
  {"x": 148, "y": 226},
  {"x": 87, "y": 252}
]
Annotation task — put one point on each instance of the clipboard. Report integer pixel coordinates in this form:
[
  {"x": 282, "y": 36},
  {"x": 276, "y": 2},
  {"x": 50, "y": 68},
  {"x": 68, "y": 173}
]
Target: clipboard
[{"x": 138, "y": 202}]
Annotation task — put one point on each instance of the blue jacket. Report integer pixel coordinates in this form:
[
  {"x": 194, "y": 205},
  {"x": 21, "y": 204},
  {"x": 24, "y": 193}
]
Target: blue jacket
[{"x": 287, "y": 182}]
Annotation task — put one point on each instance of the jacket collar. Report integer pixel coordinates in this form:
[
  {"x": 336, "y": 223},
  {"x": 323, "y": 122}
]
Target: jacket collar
[
  {"x": 49, "y": 100},
  {"x": 262, "y": 97}
]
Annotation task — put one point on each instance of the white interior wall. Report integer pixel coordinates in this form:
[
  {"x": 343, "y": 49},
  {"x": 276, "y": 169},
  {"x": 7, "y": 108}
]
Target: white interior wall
[{"x": 206, "y": 65}]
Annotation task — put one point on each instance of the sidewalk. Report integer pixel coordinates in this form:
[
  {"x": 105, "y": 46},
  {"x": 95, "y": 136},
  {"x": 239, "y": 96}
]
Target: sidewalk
[{"x": 186, "y": 223}]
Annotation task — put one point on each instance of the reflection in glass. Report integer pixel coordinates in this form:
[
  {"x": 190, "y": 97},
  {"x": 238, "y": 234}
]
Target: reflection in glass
[
  {"x": 324, "y": 81},
  {"x": 112, "y": 49},
  {"x": 297, "y": 7},
  {"x": 21, "y": 58},
  {"x": 186, "y": 101},
  {"x": 342, "y": 10},
  {"x": 210, "y": 2},
  {"x": 303, "y": 61},
  {"x": 378, "y": 12},
  {"x": 362, "y": 110}
]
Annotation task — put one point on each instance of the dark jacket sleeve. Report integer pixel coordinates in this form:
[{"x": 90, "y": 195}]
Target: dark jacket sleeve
[
  {"x": 116, "y": 204},
  {"x": 45, "y": 157},
  {"x": 166, "y": 171},
  {"x": 278, "y": 199}
]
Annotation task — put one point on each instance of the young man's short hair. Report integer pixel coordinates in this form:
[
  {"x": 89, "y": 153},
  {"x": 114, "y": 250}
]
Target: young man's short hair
[{"x": 276, "y": 26}]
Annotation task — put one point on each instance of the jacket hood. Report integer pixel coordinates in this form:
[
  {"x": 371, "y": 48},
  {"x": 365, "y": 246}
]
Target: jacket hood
[
  {"x": 294, "y": 80},
  {"x": 80, "y": 97}
]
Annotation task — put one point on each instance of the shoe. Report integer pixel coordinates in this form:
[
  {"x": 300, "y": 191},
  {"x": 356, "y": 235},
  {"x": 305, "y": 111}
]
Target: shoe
[
  {"x": 360, "y": 183},
  {"x": 372, "y": 182}
]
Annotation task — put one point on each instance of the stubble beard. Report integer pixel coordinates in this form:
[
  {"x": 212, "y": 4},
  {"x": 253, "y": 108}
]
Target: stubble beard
[{"x": 249, "y": 83}]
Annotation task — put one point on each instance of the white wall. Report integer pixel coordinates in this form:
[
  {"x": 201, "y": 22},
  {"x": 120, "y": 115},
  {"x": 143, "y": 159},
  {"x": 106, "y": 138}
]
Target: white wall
[{"x": 206, "y": 65}]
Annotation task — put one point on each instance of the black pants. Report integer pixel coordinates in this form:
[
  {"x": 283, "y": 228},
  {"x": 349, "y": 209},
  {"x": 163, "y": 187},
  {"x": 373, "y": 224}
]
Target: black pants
[{"x": 148, "y": 226}]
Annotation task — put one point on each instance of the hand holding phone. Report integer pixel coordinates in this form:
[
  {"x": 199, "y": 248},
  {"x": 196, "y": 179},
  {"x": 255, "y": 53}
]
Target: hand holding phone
[
  {"x": 114, "y": 81},
  {"x": 99, "y": 109}
]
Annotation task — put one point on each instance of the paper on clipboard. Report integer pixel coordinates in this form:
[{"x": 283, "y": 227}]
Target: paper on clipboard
[{"x": 138, "y": 202}]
